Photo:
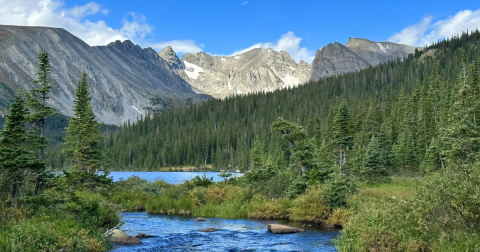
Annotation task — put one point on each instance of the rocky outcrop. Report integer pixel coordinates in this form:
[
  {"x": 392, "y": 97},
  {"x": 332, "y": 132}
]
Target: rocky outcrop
[
  {"x": 126, "y": 81},
  {"x": 171, "y": 58},
  {"x": 356, "y": 54},
  {"x": 283, "y": 229},
  {"x": 119, "y": 237},
  {"x": 257, "y": 70}
]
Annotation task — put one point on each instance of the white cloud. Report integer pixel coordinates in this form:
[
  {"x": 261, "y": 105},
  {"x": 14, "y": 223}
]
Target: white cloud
[
  {"x": 52, "y": 13},
  {"x": 289, "y": 43},
  {"x": 244, "y": 3},
  {"x": 90, "y": 8},
  {"x": 179, "y": 46},
  {"x": 425, "y": 32}
]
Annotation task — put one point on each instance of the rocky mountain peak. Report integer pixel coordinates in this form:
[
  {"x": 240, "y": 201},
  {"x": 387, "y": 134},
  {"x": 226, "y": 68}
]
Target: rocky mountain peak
[
  {"x": 171, "y": 58},
  {"x": 125, "y": 80},
  {"x": 356, "y": 54},
  {"x": 257, "y": 70}
]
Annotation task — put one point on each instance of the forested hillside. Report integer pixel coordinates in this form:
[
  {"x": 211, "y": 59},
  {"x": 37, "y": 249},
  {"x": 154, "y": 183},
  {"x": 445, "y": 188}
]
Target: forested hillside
[{"x": 399, "y": 107}]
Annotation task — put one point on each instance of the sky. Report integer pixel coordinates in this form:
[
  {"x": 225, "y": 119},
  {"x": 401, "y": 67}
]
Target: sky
[{"x": 229, "y": 27}]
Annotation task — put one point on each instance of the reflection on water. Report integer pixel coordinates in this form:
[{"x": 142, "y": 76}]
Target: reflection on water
[
  {"x": 169, "y": 177},
  {"x": 175, "y": 233}
]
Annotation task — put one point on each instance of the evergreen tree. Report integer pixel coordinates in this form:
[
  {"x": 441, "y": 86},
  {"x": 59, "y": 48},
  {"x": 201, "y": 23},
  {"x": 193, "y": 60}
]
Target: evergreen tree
[
  {"x": 461, "y": 138},
  {"x": 342, "y": 132},
  {"x": 18, "y": 156},
  {"x": 256, "y": 154},
  {"x": 37, "y": 103},
  {"x": 301, "y": 147},
  {"x": 375, "y": 163},
  {"x": 37, "y": 100},
  {"x": 83, "y": 140}
]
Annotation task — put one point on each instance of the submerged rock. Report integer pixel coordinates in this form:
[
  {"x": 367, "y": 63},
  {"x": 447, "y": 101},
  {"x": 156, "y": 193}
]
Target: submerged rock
[
  {"x": 119, "y": 237},
  {"x": 283, "y": 229},
  {"x": 142, "y": 235},
  {"x": 199, "y": 219},
  {"x": 208, "y": 229}
]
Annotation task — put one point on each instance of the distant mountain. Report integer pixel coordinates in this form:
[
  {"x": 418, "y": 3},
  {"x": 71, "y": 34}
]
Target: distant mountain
[
  {"x": 257, "y": 70},
  {"x": 356, "y": 54},
  {"x": 125, "y": 80}
]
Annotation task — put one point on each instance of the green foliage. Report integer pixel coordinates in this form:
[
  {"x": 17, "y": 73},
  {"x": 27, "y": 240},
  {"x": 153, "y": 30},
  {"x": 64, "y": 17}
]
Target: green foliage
[
  {"x": 297, "y": 187},
  {"x": 376, "y": 162},
  {"x": 261, "y": 208},
  {"x": 337, "y": 189},
  {"x": 37, "y": 100},
  {"x": 18, "y": 152},
  {"x": 202, "y": 181},
  {"x": 310, "y": 206},
  {"x": 83, "y": 138}
]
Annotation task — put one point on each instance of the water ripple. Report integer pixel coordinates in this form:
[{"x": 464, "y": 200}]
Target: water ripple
[{"x": 174, "y": 233}]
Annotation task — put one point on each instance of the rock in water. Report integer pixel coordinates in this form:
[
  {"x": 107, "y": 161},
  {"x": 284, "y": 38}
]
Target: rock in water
[
  {"x": 142, "y": 235},
  {"x": 119, "y": 237},
  {"x": 208, "y": 229},
  {"x": 199, "y": 219},
  {"x": 283, "y": 229}
]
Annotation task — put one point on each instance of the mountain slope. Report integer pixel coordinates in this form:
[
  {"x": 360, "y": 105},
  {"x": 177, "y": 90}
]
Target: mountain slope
[
  {"x": 125, "y": 80},
  {"x": 257, "y": 70},
  {"x": 355, "y": 55}
]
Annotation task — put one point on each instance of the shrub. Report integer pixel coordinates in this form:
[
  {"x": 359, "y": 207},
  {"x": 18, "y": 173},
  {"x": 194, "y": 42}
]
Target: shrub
[
  {"x": 261, "y": 208},
  {"x": 220, "y": 194},
  {"x": 310, "y": 206},
  {"x": 339, "y": 217}
]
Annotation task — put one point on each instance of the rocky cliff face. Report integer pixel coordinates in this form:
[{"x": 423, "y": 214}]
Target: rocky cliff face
[
  {"x": 356, "y": 54},
  {"x": 254, "y": 71},
  {"x": 125, "y": 80}
]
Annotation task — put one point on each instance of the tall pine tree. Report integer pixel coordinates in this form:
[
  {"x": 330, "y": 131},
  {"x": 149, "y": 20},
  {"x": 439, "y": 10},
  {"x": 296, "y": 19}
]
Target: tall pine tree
[
  {"x": 83, "y": 140},
  {"x": 18, "y": 156}
]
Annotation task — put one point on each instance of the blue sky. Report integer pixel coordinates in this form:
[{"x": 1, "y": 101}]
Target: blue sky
[{"x": 225, "y": 27}]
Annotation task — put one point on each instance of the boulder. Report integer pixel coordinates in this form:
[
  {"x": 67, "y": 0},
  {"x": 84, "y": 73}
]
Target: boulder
[
  {"x": 119, "y": 237},
  {"x": 208, "y": 229},
  {"x": 283, "y": 229},
  {"x": 199, "y": 219},
  {"x": 142, "y": 235}
]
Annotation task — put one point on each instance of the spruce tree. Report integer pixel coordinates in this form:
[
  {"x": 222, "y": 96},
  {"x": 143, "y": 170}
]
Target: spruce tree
[
  {"x": 461, "y": 138},
  {"x": 375, "y": 163},
  {"x": 37, "y": 100},
  {"x": 83, "y": 140},
  {"x": 18, "y": 156}
]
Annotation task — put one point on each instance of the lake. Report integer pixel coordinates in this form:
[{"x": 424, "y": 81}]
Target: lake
[
  {"x": 177, "y": 233},
  {"x": 169, "y": 177}
]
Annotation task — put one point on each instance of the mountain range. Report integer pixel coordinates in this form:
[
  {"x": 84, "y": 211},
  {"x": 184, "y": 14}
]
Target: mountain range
[{"x": 127, "y": 81}]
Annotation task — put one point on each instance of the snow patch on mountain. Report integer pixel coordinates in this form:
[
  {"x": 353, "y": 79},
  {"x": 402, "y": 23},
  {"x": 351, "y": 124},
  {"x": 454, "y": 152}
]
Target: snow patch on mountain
[
  {"x": 290, "y": 81},
  {"x": 136, "y": 109},
  {"x": 193, "y": 71},
  {"x": 382, "y": 48}
]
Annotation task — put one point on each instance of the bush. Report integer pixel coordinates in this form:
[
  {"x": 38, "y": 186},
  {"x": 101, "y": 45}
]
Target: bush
[
  {"x": 40, "y": 234},
  {"x": 219, "y": 194},
  {"x": 261, "y": 208},
  {"x": 310, "y": 206},
  {"x": 339, "y": 217},
  {"x": 444, "y": 215}
]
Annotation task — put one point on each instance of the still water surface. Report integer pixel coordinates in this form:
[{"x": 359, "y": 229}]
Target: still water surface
[
  {"x": 169, "y": 177},
  {"x": 176, "y": 233}
]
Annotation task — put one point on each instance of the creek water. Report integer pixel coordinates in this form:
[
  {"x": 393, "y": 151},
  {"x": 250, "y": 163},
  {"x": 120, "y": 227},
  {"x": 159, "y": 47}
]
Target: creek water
[
  {"x": 180, "y": 233},
  {"x": 177, "y": 233}
]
